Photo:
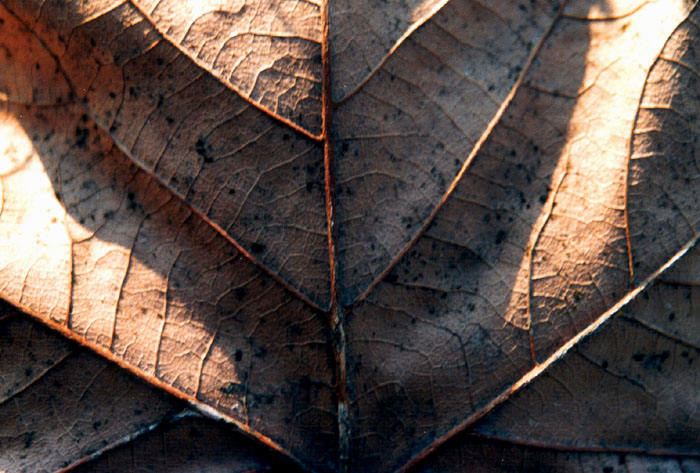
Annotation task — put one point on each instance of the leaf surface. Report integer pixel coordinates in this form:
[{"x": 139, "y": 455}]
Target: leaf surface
[
  {"x": 401, "y": 140},
  {"x": 61, "y": 404},
  {"x": 367, "y": 239},
  {"x": 527, "y": 251},
  {"x": 189, "y": 444},
  {"x": 618, "y": 401},
  {"x": 253, "y": 179},
  {"x": 190, "y": 313}
]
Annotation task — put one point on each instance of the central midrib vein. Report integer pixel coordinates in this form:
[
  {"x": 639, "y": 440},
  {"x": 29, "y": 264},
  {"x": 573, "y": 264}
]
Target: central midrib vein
[{"x": 336, "y": 321}]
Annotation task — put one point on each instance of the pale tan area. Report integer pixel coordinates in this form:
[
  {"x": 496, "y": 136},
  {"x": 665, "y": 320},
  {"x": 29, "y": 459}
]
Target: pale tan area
[
  {"x": 257, "y": 181},
  {"x": 80, "y": 225},
  {"x": 270, "y": 51}
]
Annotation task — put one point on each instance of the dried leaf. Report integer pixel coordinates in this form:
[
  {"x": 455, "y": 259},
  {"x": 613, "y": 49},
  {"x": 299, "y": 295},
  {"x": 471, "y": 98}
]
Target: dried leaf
[
  {"x": 61, "y": 404},
  {"x": 369, "y": 235},
  {"x": 189, "y": 444}
]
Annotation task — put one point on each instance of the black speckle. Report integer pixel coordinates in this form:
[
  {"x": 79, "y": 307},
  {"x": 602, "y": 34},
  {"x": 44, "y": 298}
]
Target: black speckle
[
  {"x": 257, "y": 247},
  {"x": 81, "y": 136},
  {"x": 500, "y": 236},
  {"x": 132, "y": 205},
  {"x": 656, "y": 360},
  {"x": 240, "y": 292},
  {"x": 638, "y": 357},
  {"x": 202, "y": 149},
  {"x": 238, "y": 356},
  {"x": 232, "y": 388},
  {"x": 577, "y": 296},
  {"x": 29, "y": 439}
]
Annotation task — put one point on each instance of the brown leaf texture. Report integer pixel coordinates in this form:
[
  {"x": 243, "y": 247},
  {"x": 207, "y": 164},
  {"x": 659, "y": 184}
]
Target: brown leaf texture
[
  {"x": 189, "y": 444},
  {"x": 646, "y": 354},
  {"x": 412, "y": 236},
  {"x": 61, "y": 404}
]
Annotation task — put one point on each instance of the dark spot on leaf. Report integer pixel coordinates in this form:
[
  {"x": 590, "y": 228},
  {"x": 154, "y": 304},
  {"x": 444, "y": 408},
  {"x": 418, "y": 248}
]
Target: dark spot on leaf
[
  {"x": 240, "y": 292},
  {"x": 232, "y": 388},
  {"x": 656, "y": 360},
  {"x": 500, "y": 236},
  {"x": 81, "y": 136},
  {"x": 202, "y": 149},
  {"x": 391, "y": 278},
  {"x": 29, "y": 439},
  {"x": 257, "y": 247}
]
